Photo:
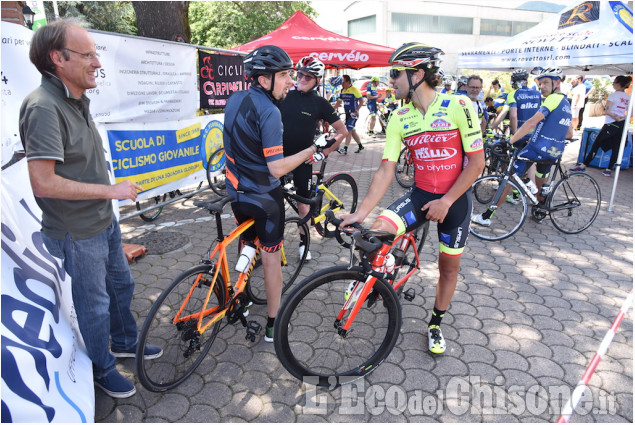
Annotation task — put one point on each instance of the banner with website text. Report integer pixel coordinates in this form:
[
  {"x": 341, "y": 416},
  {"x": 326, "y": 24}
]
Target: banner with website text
[
  {"x": 220, "y": 76},
  {"x": 46, "y": 373},
  {"x": 161, "y": 157}
]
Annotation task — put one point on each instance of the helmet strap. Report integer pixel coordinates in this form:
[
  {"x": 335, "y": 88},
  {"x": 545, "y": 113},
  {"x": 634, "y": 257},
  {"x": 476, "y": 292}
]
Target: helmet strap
[{"x": 413, "y": 87}]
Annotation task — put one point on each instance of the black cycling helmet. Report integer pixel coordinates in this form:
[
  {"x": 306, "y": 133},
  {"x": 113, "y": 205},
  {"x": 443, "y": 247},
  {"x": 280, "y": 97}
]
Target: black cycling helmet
[
  {"x": 413, "y": 56},
  {"x": 416, "y": 55},
  {"x": 266, "y": 60},
  {"x": 520, "y": 76}
]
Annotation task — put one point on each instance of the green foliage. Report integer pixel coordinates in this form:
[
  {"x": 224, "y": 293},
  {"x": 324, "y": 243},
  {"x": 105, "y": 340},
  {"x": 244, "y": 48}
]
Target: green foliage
[
  {"x": 601, "y": 90},
  {"x": 227, "y": 24},
  {"x": 113, "y": 16}
]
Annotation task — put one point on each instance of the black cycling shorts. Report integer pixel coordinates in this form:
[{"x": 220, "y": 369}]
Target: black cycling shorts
[
  {"x": 267, "y": 209},
  {"x": 406, "y": 214}
]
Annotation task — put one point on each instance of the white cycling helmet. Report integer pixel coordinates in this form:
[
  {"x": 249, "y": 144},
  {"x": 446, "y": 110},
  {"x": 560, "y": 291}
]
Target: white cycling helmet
[
  {"x": 311, "y": 65},
  {"x": 554, "y": 73}
]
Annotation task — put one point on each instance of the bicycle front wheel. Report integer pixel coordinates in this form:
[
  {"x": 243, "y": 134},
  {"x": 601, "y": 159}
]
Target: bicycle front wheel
[
  {"x": 575, "y": 203},
  {"x": 184, "y": 348},
  {"x": 507, "y": 219},
  {"x": 292, "y": 261},
  {"x": 309, "y": 341},
  {"x": 344, "y": 189},
  {"x": 405, "y": 169},
  {"x": 216, "y": 172}
]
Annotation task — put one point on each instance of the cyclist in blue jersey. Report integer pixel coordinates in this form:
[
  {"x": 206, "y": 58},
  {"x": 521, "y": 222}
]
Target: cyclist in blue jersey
[
  {"x": 461, "y": 85},
  {"x": 255, "y": 162},
  {"x": 447, "y": 85},
  {"x": 352, "y": 99},
  {"x": 521, "y": 104},
  {"x": 372, "y": 95},
  {"x": 551, "y": 125}
]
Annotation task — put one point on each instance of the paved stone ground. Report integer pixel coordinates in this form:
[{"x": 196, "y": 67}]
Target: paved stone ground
[{"x": 528, "y": 315}]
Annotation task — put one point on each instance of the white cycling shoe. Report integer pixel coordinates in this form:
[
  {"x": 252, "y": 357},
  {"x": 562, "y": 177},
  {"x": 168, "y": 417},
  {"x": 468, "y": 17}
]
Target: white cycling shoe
[
  {"x": 478, "y": 219},
  {"x": 308, "y": 254}
]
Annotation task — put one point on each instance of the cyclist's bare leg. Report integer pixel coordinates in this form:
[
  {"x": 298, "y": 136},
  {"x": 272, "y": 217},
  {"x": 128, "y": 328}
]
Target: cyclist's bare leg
[
  {"x": 448, "y": 274},
  {"x": 273, "y": 280},
  {"x": 303, "y": 210},
  {"x": 383, "y": 226},
  {"x": 371, "y": 125}
]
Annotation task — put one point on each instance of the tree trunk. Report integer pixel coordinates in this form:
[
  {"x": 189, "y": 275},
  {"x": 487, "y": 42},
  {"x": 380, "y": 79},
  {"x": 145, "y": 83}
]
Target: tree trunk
[{"x": 165, "y": 20}]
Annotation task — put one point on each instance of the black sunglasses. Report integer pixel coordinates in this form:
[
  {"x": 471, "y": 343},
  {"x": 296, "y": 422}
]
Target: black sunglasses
[{"x": 396, "y": 71}]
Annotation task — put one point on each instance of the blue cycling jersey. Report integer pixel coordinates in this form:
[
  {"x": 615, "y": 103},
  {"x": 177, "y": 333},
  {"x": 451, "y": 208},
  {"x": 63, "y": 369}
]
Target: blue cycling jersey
[
  {"x": 550, "y": 133},
  {"x": 350, "y": 97},
  {"x": 252, "y": 137},
  {"x": 527, "y": 102}
]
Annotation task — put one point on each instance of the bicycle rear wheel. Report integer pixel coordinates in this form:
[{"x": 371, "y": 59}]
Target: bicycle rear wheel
[
  {"x": 307, "y": 339},
  {"x": 152, "y": 214},
  {"x": 508, "y": 217},
  {"x": 292, "y": 264},
  {"x": 405, "y": 169},
  {"x": 344, "y": 188},
  {"x": 575, "y": 203},
  {"x": 183, "y": 347},
  {"x": 216, "y": 172}
]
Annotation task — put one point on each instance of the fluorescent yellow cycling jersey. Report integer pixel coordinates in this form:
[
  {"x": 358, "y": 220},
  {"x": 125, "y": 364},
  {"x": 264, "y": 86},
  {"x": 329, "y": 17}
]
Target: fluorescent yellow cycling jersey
[{"x": 437, "y": 141}]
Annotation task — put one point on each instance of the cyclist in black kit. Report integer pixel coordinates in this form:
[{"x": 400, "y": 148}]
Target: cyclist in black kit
[
  {"x": 301, "y": 111},
  {"x": 253, "y": 145}
]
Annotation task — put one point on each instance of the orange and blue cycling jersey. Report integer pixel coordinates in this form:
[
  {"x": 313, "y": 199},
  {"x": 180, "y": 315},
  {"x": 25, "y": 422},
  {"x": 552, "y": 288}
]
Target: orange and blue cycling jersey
[{"x": 438, "y": 141}]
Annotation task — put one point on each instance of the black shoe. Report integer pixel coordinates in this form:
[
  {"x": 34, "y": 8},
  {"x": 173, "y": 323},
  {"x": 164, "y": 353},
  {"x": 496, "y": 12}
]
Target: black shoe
[{"x": 359, "y": 149}]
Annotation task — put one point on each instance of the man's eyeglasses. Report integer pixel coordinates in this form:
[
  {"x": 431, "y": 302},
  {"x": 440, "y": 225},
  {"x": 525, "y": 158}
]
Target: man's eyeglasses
[
  {"x": 394, "y": 72},
  {"x": 89, "y": 56},
  {"x": 304, "y": 76},
  {"x": 474, "y": 88}
]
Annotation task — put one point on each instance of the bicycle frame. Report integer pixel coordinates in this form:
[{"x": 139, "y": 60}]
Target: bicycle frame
[
  {"x": 220, "y": 266},
  {"x": 403, "y": 242}
]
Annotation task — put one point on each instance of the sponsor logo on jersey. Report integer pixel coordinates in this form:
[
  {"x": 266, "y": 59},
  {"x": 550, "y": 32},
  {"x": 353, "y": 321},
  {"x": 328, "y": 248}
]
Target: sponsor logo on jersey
[
  {"x": 461, "y": 102},
  {"x": 472, "y": 134},
  {"x": 439, "y": 114},
  {"x": 428, "y": 138},
  {"x": 432, "y": 154},
  {"x": 554, "y": 152},
  {"x": 402, "y": 205},
  {"x": 405, "y": 126},
  {"x": 439, "y": 123},
  {"x": 468, "y": 115},
  {"x": 476, "y": 144},
  {"x": 565, "y": 121},
  {"x": 403, "y": 111},
  {"x": 445, "y": 103},
  {"x": 529, "y": 105}
]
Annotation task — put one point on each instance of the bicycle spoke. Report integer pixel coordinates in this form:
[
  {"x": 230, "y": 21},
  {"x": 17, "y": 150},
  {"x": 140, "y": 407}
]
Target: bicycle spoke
[
  {"x": 508, "y": 217},
  {"x": 309, "y": 342},
  {"x": 183, "y": 347},
  {"x": 575, "y": 203}
]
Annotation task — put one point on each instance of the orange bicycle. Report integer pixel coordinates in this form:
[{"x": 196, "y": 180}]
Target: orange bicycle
[
  {"x": 186, "y": 318},
  {"x": 344, "y": 321}
]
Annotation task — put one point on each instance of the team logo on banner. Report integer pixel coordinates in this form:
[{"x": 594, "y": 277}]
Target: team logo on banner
[
  {"x": 220, "y": 76},
  {"x": 587, "y": 11},
  {"x": 212, "y": 141}
]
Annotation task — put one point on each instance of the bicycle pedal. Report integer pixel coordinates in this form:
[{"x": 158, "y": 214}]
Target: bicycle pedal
[
  {"x": 410, "y": 294},
  {"x": 253, "y": 329}
]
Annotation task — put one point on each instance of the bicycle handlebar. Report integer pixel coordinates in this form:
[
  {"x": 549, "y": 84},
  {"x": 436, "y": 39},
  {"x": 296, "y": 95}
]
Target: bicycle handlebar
[
  {"x": 314, "y": 203},
  {"x": 363, "y": 240}
]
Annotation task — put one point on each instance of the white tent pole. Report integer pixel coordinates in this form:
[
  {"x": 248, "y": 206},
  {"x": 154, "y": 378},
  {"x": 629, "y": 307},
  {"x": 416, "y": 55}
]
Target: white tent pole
[{"x": 618, "y": 165}]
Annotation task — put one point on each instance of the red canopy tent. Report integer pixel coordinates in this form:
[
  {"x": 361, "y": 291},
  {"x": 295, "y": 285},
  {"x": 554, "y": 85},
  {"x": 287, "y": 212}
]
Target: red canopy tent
[{"x": 300, "y": 36}]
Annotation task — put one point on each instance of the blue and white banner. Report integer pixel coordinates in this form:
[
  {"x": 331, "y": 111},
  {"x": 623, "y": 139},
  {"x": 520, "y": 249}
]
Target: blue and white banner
[{"x": 46, "y": 373}]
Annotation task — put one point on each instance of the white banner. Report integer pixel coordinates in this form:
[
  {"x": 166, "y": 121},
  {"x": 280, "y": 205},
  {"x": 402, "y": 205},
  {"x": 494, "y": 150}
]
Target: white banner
[
  {"x": 143, "y": 80},
  {"x": 46, "y": 373},
  {"x": 591, "y": 36},
  {"x": 19, "y": 78}
]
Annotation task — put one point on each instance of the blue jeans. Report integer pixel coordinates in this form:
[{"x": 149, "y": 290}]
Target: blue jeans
[{"x": 102, "y": 292}]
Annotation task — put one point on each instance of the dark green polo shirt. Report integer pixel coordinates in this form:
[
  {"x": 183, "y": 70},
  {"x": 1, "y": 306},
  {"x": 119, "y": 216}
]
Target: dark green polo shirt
[{"x": 54, "y": 125}]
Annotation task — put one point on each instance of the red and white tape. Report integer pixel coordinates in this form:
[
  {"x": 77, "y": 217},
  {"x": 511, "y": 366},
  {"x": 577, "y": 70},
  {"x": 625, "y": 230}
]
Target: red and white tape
[{"x": 568, "y": 408}]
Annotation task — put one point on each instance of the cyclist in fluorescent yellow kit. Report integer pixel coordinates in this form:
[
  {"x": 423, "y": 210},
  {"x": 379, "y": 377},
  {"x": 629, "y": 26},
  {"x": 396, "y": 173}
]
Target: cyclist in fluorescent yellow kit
[{"x": 443, "y": 135}]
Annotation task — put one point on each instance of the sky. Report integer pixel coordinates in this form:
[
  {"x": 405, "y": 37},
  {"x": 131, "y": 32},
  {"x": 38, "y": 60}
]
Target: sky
[{"x": 331, "y": 16}]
